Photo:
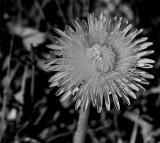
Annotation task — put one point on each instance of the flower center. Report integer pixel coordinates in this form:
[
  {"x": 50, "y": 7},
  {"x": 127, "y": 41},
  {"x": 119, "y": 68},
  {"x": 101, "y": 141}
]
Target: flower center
[{"x": 102, "y": 58}]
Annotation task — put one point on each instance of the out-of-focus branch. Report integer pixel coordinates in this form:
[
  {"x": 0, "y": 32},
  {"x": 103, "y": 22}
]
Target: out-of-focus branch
[
  {"x": 5, "y": 95},
  {"x": 33, "y": 72},
  {"x": 61, "y": 11}
]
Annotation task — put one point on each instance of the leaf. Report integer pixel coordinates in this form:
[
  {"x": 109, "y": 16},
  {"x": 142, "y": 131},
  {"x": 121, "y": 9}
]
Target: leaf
[
  {"x": 35, "y": 38},
  {"x": 19, "y": 96},
  {"x": 8, "y": 79},
  {"x": 12, "y": 114},
  {"x": 28, "y": 35}
]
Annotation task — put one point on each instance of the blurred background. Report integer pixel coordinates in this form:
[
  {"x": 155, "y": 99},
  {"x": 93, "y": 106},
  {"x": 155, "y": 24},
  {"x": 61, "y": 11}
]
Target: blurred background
[{"x": 29, "y": 110}]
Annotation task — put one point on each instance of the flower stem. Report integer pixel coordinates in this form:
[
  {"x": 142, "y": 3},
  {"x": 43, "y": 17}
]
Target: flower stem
[{"x": 82, "y": 126}]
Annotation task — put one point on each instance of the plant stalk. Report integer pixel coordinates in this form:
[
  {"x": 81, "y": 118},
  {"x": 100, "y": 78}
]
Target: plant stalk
[
  {"x": 80, "y": 134},
  {"x": 33, "y": 72}
]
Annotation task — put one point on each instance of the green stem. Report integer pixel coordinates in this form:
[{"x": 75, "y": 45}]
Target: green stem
[
  {"x": 33, "y": 72},
  {"x": 82, "y": 126}
]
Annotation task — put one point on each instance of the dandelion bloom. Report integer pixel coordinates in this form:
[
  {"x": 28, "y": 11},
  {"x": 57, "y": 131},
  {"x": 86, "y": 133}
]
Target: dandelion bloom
[{"x": 98, "y": 60}]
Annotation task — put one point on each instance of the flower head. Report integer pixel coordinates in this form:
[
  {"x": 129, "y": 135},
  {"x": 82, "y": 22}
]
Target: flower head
[{"x": 98, "y": 60}]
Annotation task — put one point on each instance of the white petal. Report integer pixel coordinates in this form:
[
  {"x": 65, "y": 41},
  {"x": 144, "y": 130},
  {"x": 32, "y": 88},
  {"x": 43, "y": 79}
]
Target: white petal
[
  {"x": 145, "y": 61},
  {"x": 145, "y": 66},
  {"x": 127, "y": 29},
  {"x": 57, "y": 76},
  {"x": 107, "y": 100},
  {"x": 132, "y": 35},
  {"x": 125, "y": 98},
  {"x": 118, "y": 24},
  {"x": 101, "y": 16},
  {"x": 61, "y": 33},
  {"x": 141, "y": 80},
  {"x": 132, "y": 94},
  {"x": 65, "y": 95},
  {"x": 107, "y": 105},
  {"x": 55, "y": 47},
  {"x": 86, "y": 103},
  {"x": 140, "y": 40},
  {"x": 75, "y": 89},
  {"x": 146, "y": 75},
  {"x": 60, "y": 91},
  {"x": 133, "y": 86},
  {"x": 53, "y": 84},
  {"x": 116, "y": 102},
  {"x": 104, "y": 19},
  {"x": 78, "y": 103},
  {"x": 144, "y": 53},
  {"x": 145, "y": 45},
  {"x": 140, "y": 87}
]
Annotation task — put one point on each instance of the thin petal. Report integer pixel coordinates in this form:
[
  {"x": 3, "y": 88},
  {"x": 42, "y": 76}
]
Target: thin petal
[
  {"x": 78, "y": 103},
  {"x": 143, "y": 61},
  {"x": 127, "y": 29},
  {"x": 145, "y": 45},
  {"x": 145, "y": 53},
  {"x": 99, "y": 101},
  {"x": 115, "y": 98},
  {"x": 140, "y": 41},
  {"x": 106, "y": 98},
  {"x": 124, "y": 96},
  {"x": 132, "y": 35},
  {"x": 61, "y": 33},
  {"x": 122, "y": 93},
  {"x": 65, "y": 95},
  {"x": 127, "y": 89},
  {"x": 145, "y": 66},
  {"x": 55, "y": 47}
]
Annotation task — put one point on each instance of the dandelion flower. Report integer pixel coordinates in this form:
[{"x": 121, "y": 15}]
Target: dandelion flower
[{"x": 99, "y": 60}]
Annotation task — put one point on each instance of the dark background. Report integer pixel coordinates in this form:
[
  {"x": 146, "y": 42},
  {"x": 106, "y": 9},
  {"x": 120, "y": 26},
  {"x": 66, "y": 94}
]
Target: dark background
[{"x": 29, "y": 109}]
